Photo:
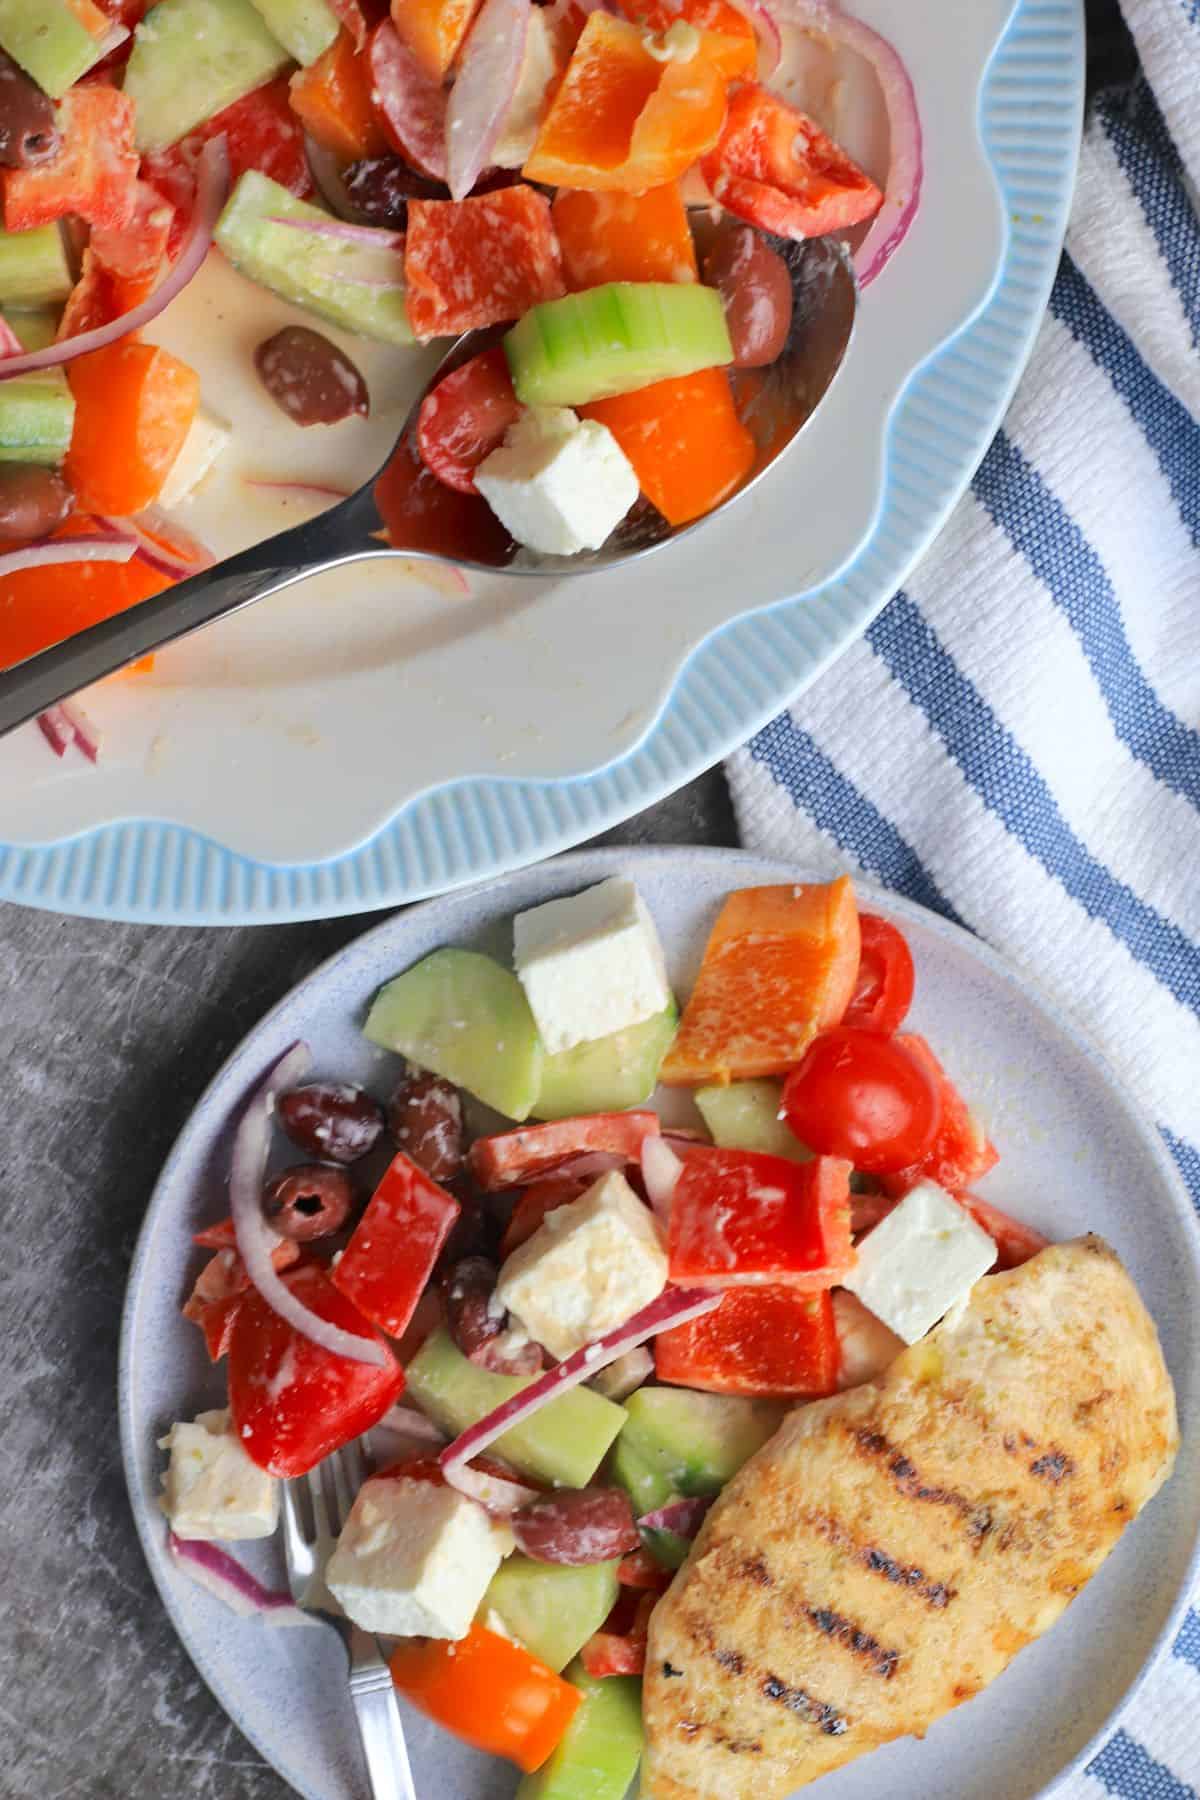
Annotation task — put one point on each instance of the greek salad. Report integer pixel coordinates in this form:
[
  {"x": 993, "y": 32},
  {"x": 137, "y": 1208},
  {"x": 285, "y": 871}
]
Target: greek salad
[
  {"x": 558, "y": 1325},
  {"x": 405, "y": 177}
]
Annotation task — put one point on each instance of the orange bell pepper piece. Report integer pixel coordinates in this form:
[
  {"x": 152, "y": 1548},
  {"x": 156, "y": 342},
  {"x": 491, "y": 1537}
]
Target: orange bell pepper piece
[
  {"x": 434, "y": 30},
  {"x": 134, "y": 405},
  {"x": 687, "y": 445},
  {"x": 622, "y": 119},
  {"x": 624, "y": 237},
  {"x": 729, "y": 35},
  {"x": 40, "y": 607},
  {"x": 332, "y": 99},
  {"x": 779, "y": 967},
  {"x": 489, "y": 1692}
]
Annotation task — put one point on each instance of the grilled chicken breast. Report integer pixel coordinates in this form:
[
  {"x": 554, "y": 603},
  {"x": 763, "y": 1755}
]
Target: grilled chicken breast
[{"x": 890, "y": 1550}]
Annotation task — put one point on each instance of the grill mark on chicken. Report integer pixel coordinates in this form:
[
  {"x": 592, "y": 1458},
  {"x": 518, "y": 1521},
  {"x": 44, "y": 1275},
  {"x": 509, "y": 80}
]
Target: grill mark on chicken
[
  {"x": 936, "y": 1594},
  {"x": 1054, "y": 1466},
  {"x": 813, "y": 1712},
  {"x": 859, "y": 1642},
  {"x": 907, "y": 1480}
]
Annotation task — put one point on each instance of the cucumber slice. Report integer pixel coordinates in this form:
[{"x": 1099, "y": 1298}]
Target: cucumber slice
[
  {"x": 606, "y": 1074},
  {"x": 33, "y": 267},
  {"x": 305, "y": 28},
  {"x": 696, "y": 1442},
  {"x": 193, "y": 58},
  {"x": 564, "y": 1443},
  {"x": 37, "y": 414},
  {"x": 745, "y": 1116},
  {"x": 612, "y": 339},
  {"x": 598, "y": 1754},
  {"x": 645, "y": 1484},
  {"x": 49, "y": 42},
  {"x": 323, "y": 274},
  {"x": 551, "y": 1608},
  {"x": 463, "y": 1016}
]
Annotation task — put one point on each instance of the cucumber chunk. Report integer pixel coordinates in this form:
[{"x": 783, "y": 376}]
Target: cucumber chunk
[
  {"x": 324, "y": 275},
  {"x": 305, "y": 28},
  {"x": 35, "y": 330},
  {"x": 612, "y": 339},
  {"x": 33, "y": 268},
  {"x": 37, "y": 414},
  {"x": 606, "y": 1074},
  {"x": 466, "y": 1018},
  {"x": 599, "y": 1752},
  {"x": 564, "y": 1443},
  {"x": 646, "y": 1485},
  {"x": 551, "y": 1608},
  {"x": 193, "y": 58},
  {"x": 49, "y": 42},
  {"x": 745, "y": 1116},
  {"x": 696, "y": 1442}
]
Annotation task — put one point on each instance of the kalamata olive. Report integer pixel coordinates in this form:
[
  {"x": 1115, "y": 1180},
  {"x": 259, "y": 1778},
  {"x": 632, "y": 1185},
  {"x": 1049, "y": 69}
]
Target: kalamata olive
[
  {"x": 33, "y": 501},
  {"x": 309, "y": 1201},
  {"x": 478, "y": 1325},
  {"x": 381, "y": 187},
  {"x": 309, "y": 378},
  {"x": 577, "y": 1526},
  {"x": 425, "y": 1118},
  {"x": 754, "y": 283},
  {"x": 29, "y": 132},
  {"x": 334, "y": 1123}
]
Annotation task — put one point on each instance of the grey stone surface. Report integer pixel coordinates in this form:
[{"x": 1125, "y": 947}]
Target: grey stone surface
[{"x": 110, "y": 1034}]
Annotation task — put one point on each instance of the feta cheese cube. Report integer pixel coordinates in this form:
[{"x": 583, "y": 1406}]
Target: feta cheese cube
[
  {"x": 587, "y": 1268},
  {"x": 415, "y": 1559},
  {"x": 547, "y": 47},
  {"x": 920, "y": 1261},
  {"x": 211, "y": 1489},
  {"x": 558, "y": 483},
  {"x": 207, "y": 437},
  {"x": 590, "y": 965}
]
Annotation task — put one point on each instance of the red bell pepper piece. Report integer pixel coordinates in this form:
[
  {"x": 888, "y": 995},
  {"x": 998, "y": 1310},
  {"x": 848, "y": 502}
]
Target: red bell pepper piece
[
  {"x": 765, "y": 1342},
  {"x": 619, "y": 1647},
  {"x": 293, "y": 1401},
  {"x": 961, "y": 1151},
  {"x": 515, "y": 1157},
  {"x": 220, "y": 1288},
  {"x": 1015, "y": 1242},
  {"x": 488, "y": 1691},
  {"x": 739, "y": 1218},
  {"x": 775, "y": 167},
  {"x": 542, "y": 1198},
  {"x": 390, "y": 1257},
  {"x": 639, "y": 1570},
  {"x": 479, "y": 261},
  {"x": 94, "y": 174}
]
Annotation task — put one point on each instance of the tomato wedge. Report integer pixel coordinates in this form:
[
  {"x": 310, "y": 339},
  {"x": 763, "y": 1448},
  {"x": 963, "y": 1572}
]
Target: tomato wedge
[
  {"x": 865, "y": 1097},
  {"x": 960, "y": 1151},
  {"x": 883, "y": 987},
  {"x": 513, "y": 1158},
  {"x": 464, "y": 418}
]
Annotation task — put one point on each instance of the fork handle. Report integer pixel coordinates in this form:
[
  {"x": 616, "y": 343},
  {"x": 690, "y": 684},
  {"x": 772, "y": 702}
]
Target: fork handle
[{"x": 382, "y": 1733}]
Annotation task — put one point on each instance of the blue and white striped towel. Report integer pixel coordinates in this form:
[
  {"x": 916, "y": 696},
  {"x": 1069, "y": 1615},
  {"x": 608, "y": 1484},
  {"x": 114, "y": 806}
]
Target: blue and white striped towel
[{"x": 1016, "y": 741}]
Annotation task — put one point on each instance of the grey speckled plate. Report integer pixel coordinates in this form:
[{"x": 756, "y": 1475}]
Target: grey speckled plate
[{"x": 1076, "y": 1156}]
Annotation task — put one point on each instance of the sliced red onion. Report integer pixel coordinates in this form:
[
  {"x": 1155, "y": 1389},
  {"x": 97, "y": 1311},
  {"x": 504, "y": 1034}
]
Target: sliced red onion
[
  {"x": 254, "y": 1236},
  {"x": 443, "y": 578},
  {"x": 315, "y": 490},
  {"x": 906, "y": 165},
  {"x": 408, "y": 1422},
  {"x": 187, "y": 556},
  {"x": 683, "y": 1517},
  {"x": 340, "y": 228},
  {"x": 661, "y": 1169},
  {"x": 412, "y": 103},
  {"x": 489, "y": 71},
  {"x": 495, "y": 1493},
  {"x": 674, "y": 1306},
  {"x": 48, "y": 551},
  {"x": 221, "y": 1574},
  {"x": 349, "y": 14},
  {"x": 766, "y": 29},
  {"x": 87, "y": 737},
  {"x": 10, "y": 343},
  {"x": 57, "y": 729},
  {"x": 212, "y": 189}
]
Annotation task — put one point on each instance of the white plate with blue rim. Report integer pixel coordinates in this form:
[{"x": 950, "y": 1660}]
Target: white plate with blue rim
[
  {"x": 1076, "y": 1155},
  {"x": 366, "y": 740}
]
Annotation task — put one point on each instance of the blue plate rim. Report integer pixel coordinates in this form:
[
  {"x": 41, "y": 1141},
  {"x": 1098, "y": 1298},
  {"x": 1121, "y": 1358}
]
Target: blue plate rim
[{"x": 147, "y": 870}]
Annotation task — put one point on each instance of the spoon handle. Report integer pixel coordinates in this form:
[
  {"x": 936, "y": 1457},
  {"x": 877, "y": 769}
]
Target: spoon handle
[{"x": 341, "y": 535}]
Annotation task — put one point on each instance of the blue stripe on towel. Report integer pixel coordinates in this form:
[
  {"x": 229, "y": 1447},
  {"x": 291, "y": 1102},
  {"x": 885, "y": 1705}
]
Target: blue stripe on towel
[
  {"x": 1128, "y": 1770},
  {"x": 1153, "y": 168}
]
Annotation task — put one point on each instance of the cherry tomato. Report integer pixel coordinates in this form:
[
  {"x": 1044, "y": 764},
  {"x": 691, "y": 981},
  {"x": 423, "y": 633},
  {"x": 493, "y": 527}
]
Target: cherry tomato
[
  {"x": 465, "y": 417},
  {"x": 862, "y": 1096},
  {"x": 884, "y": 989}
]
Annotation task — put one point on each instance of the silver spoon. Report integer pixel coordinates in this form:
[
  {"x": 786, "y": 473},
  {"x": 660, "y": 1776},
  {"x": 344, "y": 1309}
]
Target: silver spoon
[{"x": 774, "y": 404}]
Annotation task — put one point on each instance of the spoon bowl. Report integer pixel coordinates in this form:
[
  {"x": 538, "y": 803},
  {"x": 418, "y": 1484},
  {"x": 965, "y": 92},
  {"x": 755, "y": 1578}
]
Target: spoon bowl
[{"x": 406, "y": 511}]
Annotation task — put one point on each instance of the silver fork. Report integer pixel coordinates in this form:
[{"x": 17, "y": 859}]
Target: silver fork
[{"x": 326, "y": 1495}]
